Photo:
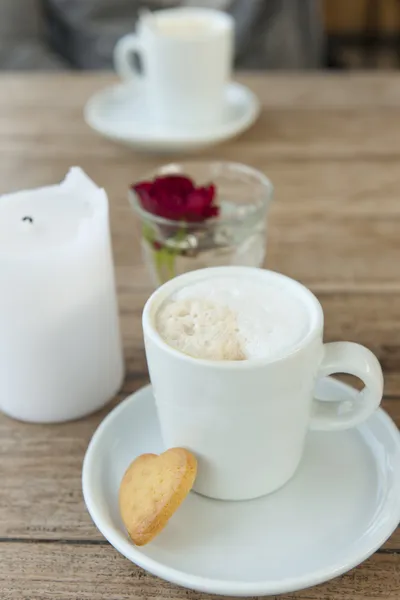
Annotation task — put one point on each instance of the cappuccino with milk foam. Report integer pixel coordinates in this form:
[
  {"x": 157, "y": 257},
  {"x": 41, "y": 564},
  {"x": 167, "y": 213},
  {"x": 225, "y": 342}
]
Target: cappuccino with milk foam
[
  {"x": 234, "y": 354},
  {"x": 231, "y": 318}
]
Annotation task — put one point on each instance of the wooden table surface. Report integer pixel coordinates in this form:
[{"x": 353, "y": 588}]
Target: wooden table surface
[{"x": 331, "y": 145}]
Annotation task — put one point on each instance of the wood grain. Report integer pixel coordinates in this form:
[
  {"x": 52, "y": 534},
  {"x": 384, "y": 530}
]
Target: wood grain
[
  {"x": 78, "y": 572},
  {"x": 59, "y": 93},
  {"x": 330, "y": 144},
  {"x": 40, "y": 496}
]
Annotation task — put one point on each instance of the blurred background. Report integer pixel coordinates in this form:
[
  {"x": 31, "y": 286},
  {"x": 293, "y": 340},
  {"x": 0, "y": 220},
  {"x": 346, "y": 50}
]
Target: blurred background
[{"x": 271, "y": 34}]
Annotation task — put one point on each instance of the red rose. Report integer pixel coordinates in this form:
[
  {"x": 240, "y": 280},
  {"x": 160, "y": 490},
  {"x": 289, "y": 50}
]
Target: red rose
[{"x": 175, "y": 197}]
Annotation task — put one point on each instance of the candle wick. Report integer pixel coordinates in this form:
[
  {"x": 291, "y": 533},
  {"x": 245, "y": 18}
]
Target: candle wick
[{"x": 29, "y": 219}]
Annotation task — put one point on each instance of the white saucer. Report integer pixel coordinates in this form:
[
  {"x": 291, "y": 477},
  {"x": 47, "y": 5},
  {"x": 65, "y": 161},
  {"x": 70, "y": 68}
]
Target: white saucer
[
  {"x": 342, "y": 504},
  {"x": 120, "y": 113}
]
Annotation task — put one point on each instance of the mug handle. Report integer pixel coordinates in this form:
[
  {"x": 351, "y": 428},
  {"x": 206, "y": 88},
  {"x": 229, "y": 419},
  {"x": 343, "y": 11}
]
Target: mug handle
[
  {"x": 347, "y": 357},
  {"x": 124, "y": 48}
]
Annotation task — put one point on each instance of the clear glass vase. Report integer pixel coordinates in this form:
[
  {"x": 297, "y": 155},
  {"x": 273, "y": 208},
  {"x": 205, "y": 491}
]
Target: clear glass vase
[{"x": 236, "y": 237}]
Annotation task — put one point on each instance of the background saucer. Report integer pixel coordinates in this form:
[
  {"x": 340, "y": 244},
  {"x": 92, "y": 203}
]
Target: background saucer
[
  {"x": 342, "y": 504},
  {"x": 120, "y": 113}
]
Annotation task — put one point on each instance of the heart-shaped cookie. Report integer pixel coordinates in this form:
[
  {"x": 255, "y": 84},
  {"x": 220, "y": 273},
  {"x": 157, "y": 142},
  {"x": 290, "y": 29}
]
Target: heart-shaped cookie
[{"x": 152, "y": 489}]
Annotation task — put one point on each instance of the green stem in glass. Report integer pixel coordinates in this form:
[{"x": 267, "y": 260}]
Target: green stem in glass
[{"x": 164, "y": 256}]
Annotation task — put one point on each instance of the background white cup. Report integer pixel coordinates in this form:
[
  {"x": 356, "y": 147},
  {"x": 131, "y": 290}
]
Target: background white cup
[
  {"x": 186, "y": 56},
  {"x": 247, "y": 421}
]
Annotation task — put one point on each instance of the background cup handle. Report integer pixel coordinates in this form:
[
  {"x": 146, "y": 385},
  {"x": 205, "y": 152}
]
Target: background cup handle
[
  {"x": 123, "y": 51},
  {"x": 346, "y": 357}
]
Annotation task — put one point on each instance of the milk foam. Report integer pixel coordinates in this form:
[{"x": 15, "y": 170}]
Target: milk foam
[
  {"x": 184, "y": 27},
  {"x": 228, "y": 318}
]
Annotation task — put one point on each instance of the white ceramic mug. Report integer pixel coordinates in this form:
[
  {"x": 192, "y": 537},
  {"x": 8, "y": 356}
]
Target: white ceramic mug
[
  {"x": 186, "y": 56},
  {"x": 247, "y": 421}
]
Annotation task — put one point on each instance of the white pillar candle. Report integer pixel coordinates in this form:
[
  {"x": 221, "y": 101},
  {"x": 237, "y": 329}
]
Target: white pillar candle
[{"x": 60, "y": 347}]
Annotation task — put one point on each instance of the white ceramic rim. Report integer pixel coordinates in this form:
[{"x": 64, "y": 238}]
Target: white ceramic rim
[
  {"x": 218, "y": 586},
  {"x": 168, "y": 288},
  {"x": 174, "y": 139}
]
